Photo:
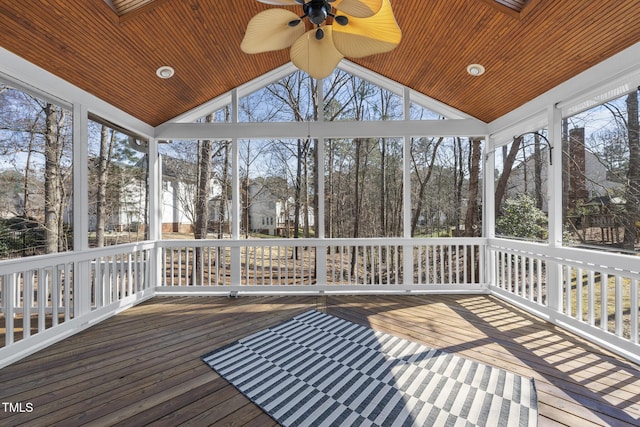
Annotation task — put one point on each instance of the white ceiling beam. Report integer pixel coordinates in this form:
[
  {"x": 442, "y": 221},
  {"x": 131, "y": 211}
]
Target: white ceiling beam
[{"x": 346, "y": 129}]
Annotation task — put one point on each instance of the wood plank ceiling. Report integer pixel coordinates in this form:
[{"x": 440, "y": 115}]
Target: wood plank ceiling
[{"x": 527, "y": 47}]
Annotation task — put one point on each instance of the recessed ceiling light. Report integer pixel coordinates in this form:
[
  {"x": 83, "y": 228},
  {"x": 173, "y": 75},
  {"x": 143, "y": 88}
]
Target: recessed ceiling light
[
  {"x": 165, "y": 72},
  {"x": 475, "y": 69}
]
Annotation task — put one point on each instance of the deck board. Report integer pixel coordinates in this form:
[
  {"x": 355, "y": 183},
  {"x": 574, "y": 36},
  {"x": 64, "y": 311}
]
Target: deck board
[{"x": 142, "y": 366}]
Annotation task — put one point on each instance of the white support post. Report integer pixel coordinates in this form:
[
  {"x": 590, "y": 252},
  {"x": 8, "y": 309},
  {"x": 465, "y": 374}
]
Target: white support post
[
  {"x": 321, "y": 253},
  {"x": 155, "y": 191},
  {"x": 554, "y": 190},
  {"x": 154, "y": 175},
  {"x": 489, "y": 199},
  {"x": 407, "y": 249},
  {"x": 488, "y": 210},
  {"x": 235, "y": 194},
  {"x": 81, "y": 270}
]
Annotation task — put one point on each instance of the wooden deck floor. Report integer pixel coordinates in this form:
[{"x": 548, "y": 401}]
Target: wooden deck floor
[{"x": 142, "y": 366}]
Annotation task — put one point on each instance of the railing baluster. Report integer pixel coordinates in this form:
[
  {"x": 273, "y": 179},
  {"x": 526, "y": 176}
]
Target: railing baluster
[
  {"x": 68, "y": 282},
  {"x": 27, "y": 303},
  {"x": 568, "y": 291},
  {"x": 604, "y": 301},
  {"x": 8, "y": 300},
  {"x": 255, "y": 265},
  {"x": 132, "y": 286},
  {"x": 55, "y": 295},
  {"x": 619, "y": 313},
  {"x": 634, "y": 311},
  {"x": 270, "y": 271},
  {"x": 579, "y": 310},
  {"x": 531, "y": 281},
  {"x": 591, "y": 300},
  {"x": 466, "y": 251},
  {"x": 179, "y": 266}
]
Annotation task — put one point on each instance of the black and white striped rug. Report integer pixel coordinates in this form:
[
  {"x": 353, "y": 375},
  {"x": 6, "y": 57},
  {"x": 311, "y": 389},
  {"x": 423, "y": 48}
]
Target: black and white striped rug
[{"x": 320, "y": 370}]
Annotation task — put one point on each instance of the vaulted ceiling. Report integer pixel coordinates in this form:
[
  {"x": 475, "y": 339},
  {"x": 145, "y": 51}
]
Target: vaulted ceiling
[{"x": 112, "y": 48}]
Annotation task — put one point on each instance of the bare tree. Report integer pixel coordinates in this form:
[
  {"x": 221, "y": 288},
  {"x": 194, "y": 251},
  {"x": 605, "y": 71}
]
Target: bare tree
[
  {"x": 53, "y": 180},
  {"x": 474, "y": 188},
  {"x": 102, "y": 168},
  {"x": 501, "y": 186},
  {"x": 203, "y": 186},
  {"x": 537, "y": 170},
  {"x": 423, "y": 180},
  {"x": 632, "y": 217}
]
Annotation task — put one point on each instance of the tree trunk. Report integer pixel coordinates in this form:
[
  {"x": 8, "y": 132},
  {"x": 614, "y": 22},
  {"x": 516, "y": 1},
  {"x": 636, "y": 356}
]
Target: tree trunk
[
  {"x": 298, "y": 191},
  {"x": 470, "y": 220},
  {"x": 423, "y": 186},
  {"x": 52, "y": 183},
  {"x": 356, "y": 201},
  {"x": 222, "y": 207},
  {"x": 203, "y": 190},
  {"x": 537, "y": 171},
  {"x": 459, "y": 182},
  {"x": 383, "y": 190},
  {"x": 27, "y": 177},
  {"x": 632, "y": 217},
  {"x": 474, "y": 189},
  {"x": 501, "y": 187},
  {"x": 102, "y": 167}
]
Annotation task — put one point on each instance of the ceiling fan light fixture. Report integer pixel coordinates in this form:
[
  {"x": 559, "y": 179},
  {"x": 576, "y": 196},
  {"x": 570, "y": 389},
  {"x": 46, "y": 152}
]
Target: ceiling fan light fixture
[
  {"x": 165, "y": 72},
  {"x": 475, "y": 70}
]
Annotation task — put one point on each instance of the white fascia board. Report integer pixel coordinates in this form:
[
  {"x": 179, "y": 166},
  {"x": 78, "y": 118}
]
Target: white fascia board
[
  {"x": 371, "y": 76},
  {"x": 397, "y": 88},
  {"x": 387, "y": 128},
  {"x": 29, "y": 76},
  {"x": 530, "y": 124},
  {"x": 226, "y": 98},
  {"x": 439, "y": 107},
  {"x": 345, "y": 65},
  {"x": 610, "y": 70}
]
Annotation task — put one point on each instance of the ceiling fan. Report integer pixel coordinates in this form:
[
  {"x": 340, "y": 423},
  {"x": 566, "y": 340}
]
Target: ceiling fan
[{"x": 339, "y": 28}]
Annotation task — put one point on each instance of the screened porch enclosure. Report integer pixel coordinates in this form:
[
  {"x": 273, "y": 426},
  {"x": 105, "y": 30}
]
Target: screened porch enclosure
[{"x": 256, "y": 246}]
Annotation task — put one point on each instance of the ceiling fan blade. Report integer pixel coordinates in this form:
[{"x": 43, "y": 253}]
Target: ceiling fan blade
[
  {"x": 281, "y": 2},
  {"x": 358, "y": 8},
  {"x": 318, "y": 58},
  {"x": 270, "y": 30},
  {"x": 368, "y": 36}
]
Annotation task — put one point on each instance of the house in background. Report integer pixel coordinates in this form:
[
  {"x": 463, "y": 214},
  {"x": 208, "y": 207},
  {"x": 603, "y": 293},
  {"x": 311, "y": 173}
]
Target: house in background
[
  {"x": 179, "y": 190},
  {"x": 587, "y": 176},
  {"x": 272, "y": 214}
]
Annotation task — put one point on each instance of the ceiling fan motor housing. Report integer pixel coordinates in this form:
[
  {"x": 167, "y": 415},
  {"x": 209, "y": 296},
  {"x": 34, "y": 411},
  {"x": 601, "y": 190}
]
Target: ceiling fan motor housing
[{"x": 317, "y": 10}]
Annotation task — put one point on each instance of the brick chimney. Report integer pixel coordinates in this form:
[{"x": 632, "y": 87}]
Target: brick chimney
[{"x": 576, "y": 165}]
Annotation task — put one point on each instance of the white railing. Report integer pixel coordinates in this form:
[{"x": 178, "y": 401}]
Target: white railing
[
  {"x": 595, "y": 294},
  {"x": 322, "y": 265},
  {"x": 46, "y": 298}
]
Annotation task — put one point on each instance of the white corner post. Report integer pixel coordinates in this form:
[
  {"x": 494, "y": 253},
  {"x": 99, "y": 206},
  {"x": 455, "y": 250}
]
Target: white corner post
[
  {"x": 81, "y": 270},
  {"x": 554, "y": 190},
  {"x": 488, "y": 209}
]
